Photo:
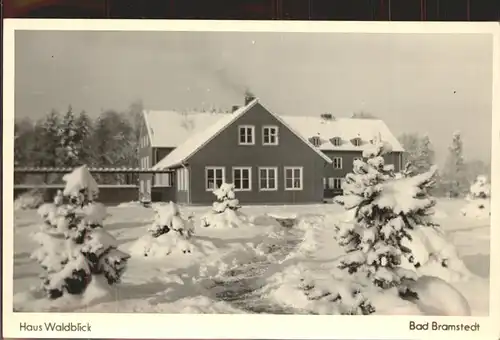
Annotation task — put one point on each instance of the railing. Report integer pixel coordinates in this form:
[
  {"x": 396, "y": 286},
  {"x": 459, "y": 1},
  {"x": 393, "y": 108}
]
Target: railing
[
  {"x": 55, "y": 170},
  {"x": 61, "y": 186}
]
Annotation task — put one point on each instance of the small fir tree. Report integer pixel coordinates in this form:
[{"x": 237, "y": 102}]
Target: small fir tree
[
  {"x": 225, "y": 210},
  {"x": 168, "y": 218},
  {"x": 226, "y": 199},
  {"x": 480, "y": 189},
  {"x": 169, "y": 233},
  {"x": 83, "y": 249},
  {"x": 478, "y": 199},
  {"x": 385, "y": 209}
]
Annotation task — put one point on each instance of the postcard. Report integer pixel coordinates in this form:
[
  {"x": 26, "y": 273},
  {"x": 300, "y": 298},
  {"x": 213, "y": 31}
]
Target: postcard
[{"x": 250, "y": 180}]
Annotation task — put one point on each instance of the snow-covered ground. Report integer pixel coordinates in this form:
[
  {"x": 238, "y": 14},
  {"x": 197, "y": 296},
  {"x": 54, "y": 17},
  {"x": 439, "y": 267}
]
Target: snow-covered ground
[{"x": 247, "y": 269}]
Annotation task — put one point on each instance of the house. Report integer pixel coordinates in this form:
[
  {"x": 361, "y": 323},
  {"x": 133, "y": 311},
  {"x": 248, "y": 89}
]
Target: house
[{"x": 269, "y": 158}]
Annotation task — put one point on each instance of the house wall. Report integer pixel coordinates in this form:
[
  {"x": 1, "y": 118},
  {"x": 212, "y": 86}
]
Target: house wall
[
  {"x": 160, "y": 153},
  {"x": 160, "y": 193},
  {"x": 154, "y": 155},
  {"x": 163, "y": 194},
  {"x": 225, "y": 151},
  {"x": 347, "y": 166},
  {"x": 181, "y": 197}
]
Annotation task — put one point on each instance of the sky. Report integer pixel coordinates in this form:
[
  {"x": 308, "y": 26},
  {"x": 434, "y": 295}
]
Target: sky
[{"x": 431, "y": 84}]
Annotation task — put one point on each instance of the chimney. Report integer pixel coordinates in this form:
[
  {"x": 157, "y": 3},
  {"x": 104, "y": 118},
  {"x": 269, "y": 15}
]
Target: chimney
[
  {"x": 248, "y": 97},
  {"x": 327, "y": 117},
  {"x": 234, "y": 108}
]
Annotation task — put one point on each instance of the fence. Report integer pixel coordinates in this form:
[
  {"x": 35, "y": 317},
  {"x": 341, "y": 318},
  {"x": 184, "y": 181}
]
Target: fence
[{"x": 108, "y": 193}]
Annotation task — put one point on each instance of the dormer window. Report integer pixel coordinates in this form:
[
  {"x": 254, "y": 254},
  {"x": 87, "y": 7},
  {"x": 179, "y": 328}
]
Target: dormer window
[
  {"x": 356, "y": 141},
  {"x": 336, "y": 141},
  {"x": 316, "y": 141}
]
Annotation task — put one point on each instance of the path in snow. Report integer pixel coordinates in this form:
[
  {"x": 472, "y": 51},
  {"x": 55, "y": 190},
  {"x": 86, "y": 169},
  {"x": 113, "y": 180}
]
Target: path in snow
[{"x": 240, "y": 287}]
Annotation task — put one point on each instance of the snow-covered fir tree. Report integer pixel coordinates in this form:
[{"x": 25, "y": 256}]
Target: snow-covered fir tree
[
  {"x": 455, "y": 176},
  {"x": 69, "y": 139},
  {"x": 427, "y": 155},
  {"x": 478, "y": 198},
  {"x": 168, "y": 219},
  {"x": 418, "y": 151},
  {"x": 480, "y": 189},
  {"x": 169, "y": 233},
  {"x": 48, "y": 142},
  {"x": 225, "y": 210},
  {"x": 385, "y": 209},
  {"x": 74, "y": 247},
  {"x": 83, "y": 147}
]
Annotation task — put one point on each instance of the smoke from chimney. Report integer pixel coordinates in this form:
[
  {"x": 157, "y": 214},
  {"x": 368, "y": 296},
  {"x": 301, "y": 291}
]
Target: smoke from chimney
[{"x": 249, "y": 96}]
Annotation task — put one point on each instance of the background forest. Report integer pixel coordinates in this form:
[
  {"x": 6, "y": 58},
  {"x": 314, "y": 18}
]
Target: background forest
[{"x": 70, "y": 139}]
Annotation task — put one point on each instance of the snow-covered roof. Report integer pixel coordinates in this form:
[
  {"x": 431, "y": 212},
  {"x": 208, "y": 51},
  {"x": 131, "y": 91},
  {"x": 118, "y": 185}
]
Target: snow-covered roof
[
  {"x": 172, "y": 128},
  {"x": 346, "y": 129},
  {"x": 195, "y": 142},
  {"x": 188, "y": 132}
]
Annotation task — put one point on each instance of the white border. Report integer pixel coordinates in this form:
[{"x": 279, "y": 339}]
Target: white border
[{"x": 184, "y": 326}]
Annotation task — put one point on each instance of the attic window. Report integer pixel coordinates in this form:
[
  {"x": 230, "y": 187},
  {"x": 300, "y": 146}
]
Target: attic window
[
  {"x": 316, "y": 141},
  {"x": 356, "y": 141},
  {"x": 336, "y": 141}
]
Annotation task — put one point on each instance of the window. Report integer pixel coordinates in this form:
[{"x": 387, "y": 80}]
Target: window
[
  {"x": 356, "y": 141},
  {"x": 268, "y": 179},
  {"x": 325, "y": 183},
  {"x": 214, "y": 177},
  {"x": 242, "y": 179},
  {"x": 164, "y": 180},
  {"x": 179, "y": 180},
  {"x": 293, "y": 178},
  {"x": 336, "y": 141},
  {"x": 246, "y": 135},
  {"x": 270, "y": 135},
  {"x": 182, "y": 179},
  {"x": 334, "y": 183},
  {"x": 337, "y": 183},
  {"x": 337, "y": 162},
  {"x": 316, "y": 141}
]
